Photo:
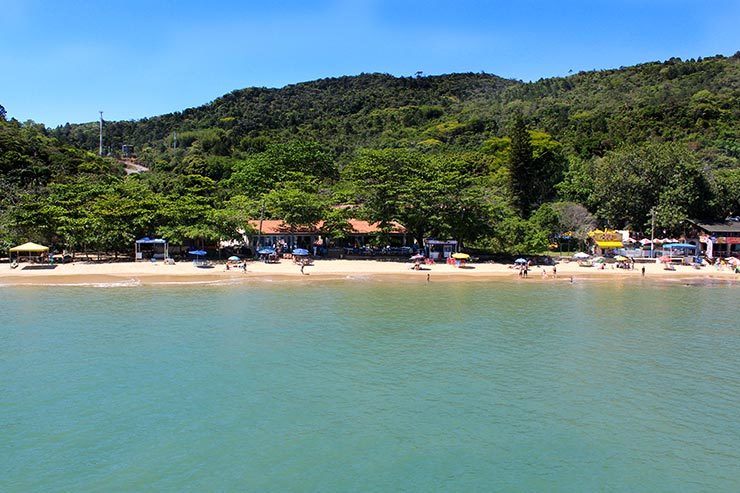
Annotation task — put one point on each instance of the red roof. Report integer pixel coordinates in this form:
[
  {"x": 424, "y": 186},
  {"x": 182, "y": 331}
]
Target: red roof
[{"x": 277, "y": 227}]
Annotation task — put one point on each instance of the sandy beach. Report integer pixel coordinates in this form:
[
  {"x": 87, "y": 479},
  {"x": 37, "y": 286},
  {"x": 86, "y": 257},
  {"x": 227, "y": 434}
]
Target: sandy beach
[{"x": 185, "y": 272}]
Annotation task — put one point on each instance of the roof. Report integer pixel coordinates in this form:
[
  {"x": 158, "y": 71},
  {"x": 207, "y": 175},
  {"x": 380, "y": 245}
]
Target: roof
[
  {"x": 609, "y": 244},
  {"x": 278, "y": 227},
  {"x": 30, "y": 247},
  {"x": 717, "y": 227}
]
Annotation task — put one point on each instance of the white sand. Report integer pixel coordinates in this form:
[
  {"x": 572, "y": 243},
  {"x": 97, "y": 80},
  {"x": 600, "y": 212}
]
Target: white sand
[{"x": 186, "y": 272}]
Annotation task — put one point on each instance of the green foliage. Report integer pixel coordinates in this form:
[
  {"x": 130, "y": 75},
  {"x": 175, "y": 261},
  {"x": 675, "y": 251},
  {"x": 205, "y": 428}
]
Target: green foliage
[
  {"x": 630, "y": 182},
  {"x": 431, "y": 153}
]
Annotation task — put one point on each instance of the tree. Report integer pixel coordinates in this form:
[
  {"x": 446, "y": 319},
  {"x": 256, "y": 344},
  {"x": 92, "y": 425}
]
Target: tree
[
  {"x": 521, "y": 166},
  {"x": 630, "y": 182}
]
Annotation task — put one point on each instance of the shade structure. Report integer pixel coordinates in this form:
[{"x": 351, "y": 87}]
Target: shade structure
[
  {"x": 198, "y": 253},
  {"x": 520, "y": 261},
  {"x": 30, "y": 247},
  {"x": 645, "y": 241},
  {"x": 581, "y": 256},
  {"x": 665, "y": 259},
  {"x": 300, "y": 252},
  {"x": 418, "y": 256},
  {"x": 266, "y": 251},
  {"x": 620, "y": 258},
  {"x": 233, "y": 258},
  {"x": 609, "y": 244},
  {"x": 460, "y": 256},
  {"x": 679, "y": 245},
  {"x": 599, "y": 260}
]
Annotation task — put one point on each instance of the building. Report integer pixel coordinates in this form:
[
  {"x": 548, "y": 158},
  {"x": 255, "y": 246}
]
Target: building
[
  {"x": 275, "y": 232},
  {"x": 717, "y": 239}
]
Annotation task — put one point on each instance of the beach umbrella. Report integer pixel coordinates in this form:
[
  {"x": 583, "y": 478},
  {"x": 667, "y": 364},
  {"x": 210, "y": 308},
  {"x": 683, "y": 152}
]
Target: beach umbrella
[
  {"x": 520, "y": 261},
  {"x": 198, "y": 253},
  {"x": 645, "y": 241},
  {"x": 620, "y": 258},
  {"x": 599, "y": 260},
  {"x": 461, "y": 256},
  {"x": 418, "y": 256},
  {"x": 300, "y": 252},
  {"x": 266, "y": 251},
  {"x": 233, "y": 258},
  {"x": 581, "y": 256},
  {"x": 665, "y": 259}
]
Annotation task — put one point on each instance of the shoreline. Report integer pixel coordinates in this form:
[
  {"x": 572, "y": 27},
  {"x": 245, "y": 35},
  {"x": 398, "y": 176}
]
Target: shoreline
[{"x": 145, "y": 273}]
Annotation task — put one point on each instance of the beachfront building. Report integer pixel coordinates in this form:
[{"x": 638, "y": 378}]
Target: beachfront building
[
  {"x": 717, "y": 239},
  {"x": 362, "y": 234},
  {"x": 605, "y": 241}
]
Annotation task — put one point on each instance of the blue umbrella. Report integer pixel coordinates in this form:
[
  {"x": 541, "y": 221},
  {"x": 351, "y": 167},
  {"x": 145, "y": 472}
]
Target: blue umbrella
[
  {"x": 300, "y": 252},
  {"x": 266, "y": 251},
  {"x": 198, "y": 253},
  {"x": 520, "y": 261}
]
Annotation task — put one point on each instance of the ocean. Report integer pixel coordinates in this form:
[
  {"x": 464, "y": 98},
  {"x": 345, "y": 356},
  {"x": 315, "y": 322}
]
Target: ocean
[{"x": 368, "y": 385}]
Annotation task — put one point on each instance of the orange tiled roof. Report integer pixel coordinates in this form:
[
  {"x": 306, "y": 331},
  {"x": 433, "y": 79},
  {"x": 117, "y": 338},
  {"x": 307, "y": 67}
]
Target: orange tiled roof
[{"x": 277, "y": 227}]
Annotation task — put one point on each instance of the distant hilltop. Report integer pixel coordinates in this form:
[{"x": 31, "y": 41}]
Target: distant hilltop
[{"x": 695, "y": 101}]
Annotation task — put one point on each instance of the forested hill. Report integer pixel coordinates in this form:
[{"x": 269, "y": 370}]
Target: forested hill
[
  {"x": 497, "y": 164},
  {"x": 694, "y": 101}
]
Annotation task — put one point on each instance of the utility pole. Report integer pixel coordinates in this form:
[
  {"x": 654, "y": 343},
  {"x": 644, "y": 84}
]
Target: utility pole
[
  {"x": 262, "y": 217},
  {"x": 101, "y": 133},
  {"x": 652, "y": 232}
]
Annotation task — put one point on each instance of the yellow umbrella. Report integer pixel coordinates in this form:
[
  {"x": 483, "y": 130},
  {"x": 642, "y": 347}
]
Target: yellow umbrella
[
  {"x": 460, "y": 256},
  {"x": 620, "y": 258}
]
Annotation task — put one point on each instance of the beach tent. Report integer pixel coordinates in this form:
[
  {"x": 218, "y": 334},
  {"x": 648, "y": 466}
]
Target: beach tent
[
  {"x": 29, "y": 247},
  {"x": 581, "y": 256},
  {"x": 149, "y": 241}
]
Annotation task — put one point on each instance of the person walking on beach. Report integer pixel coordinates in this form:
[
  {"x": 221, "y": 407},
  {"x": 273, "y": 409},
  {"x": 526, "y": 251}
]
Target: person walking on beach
[
  {"x": 554, "y": 271},
  {"x": 643, "y": 271}
]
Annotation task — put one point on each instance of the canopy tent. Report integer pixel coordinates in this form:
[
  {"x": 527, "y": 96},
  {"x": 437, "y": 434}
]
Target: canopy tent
[
  {"x": 149, "y": 241},
  {"x": 679, "y": 245},
  {"x": 30, "y": 247}
]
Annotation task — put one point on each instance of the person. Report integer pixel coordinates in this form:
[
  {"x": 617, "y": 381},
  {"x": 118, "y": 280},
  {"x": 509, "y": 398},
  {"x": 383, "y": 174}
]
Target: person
[
  {"x": 302, "y": 266},
  {"x": 544, "y": 274},
  {"x": 428, "y": 277},
  {"x": 244, "y": 266},
  {"x": 643, "y": 271},
  {"x": 554, "y": 271}
]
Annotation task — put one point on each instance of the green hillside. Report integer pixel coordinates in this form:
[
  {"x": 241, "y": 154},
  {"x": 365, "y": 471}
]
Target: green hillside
[{"x": 496, "y": 163}]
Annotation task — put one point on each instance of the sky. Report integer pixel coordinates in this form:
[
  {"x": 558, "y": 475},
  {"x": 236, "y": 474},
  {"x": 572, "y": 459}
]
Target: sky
[{"x": 63, "y": 61}]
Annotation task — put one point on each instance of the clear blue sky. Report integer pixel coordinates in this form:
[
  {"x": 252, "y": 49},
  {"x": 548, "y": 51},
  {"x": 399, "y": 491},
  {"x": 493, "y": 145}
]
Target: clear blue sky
[{"x": 63, "y": 61}]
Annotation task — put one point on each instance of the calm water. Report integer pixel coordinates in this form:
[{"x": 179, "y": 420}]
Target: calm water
[{"x": 364, "y": 386}]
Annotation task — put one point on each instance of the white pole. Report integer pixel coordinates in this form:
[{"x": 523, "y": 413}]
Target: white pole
[
  {"x": 101, "y": 133},
  {"x": 652, "y": 233}
]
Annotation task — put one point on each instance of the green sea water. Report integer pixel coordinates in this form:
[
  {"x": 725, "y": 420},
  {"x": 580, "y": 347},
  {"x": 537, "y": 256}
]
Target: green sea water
[{"x": 370, "y": 386}]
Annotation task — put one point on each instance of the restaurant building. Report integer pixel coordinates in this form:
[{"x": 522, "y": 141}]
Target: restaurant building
[{"x": 717, "y": 239}]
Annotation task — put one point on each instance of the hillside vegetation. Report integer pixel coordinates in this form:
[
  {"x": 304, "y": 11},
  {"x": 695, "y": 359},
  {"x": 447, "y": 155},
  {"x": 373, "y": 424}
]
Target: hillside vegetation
[{"x": 495, "y": 163}]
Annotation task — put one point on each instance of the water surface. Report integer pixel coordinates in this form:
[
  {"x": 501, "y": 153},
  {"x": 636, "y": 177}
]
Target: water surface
[{"x": 370, "y": 386}]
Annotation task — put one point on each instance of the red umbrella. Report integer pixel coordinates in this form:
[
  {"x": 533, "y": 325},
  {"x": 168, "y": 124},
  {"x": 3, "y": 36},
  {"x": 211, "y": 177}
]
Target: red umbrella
[{"x": 665, "y": 258}]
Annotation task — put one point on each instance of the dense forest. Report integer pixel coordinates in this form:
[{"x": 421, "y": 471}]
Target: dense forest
[{"x": 498, "y": 164}]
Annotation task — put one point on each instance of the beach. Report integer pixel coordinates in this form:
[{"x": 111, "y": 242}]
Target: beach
[{"x": 187, "y": 272}]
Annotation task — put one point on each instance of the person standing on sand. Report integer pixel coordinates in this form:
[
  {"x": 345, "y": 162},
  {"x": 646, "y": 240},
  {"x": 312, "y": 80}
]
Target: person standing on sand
[
  {"x": 643, "y": 271},
  {"x": 554, "y": 271}
]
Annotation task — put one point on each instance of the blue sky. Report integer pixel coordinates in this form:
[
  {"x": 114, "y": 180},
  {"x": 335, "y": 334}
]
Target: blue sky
[{"x": 64, "y": 61}]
